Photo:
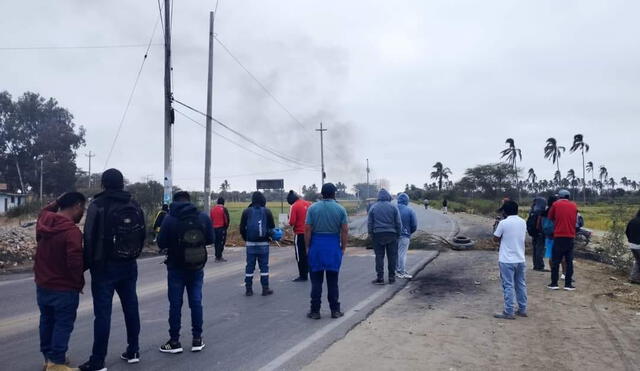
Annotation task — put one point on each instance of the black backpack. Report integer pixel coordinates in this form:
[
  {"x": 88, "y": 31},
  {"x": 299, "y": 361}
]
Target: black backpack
[
  {"x": 532, "y": 224},
  {"x": 125, "y": 226},
  {"x": 192, "y": 242}
]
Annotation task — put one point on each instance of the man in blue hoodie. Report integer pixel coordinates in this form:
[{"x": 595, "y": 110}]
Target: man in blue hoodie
[
  {"x": 384, "y": 226},
  {"x": 409, "y": 226},
  {"x": 184, "y": 235}
]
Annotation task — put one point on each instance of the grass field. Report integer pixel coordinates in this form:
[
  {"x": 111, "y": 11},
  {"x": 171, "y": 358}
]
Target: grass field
[{"x": 236, "y": 208}]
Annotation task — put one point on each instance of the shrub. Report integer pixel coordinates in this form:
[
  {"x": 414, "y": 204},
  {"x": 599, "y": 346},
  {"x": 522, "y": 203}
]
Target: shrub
[{"x": 614, "y": 248}]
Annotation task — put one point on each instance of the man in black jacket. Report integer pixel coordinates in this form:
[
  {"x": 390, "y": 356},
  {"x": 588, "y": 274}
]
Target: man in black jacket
[
  {"x": 256, "y": 225},
  {"x": 633, "y": 235},
  {"x": 114, "y": 233}
]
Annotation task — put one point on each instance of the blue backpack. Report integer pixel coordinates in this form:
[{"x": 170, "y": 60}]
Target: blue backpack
[
  {"x": 547, "y": 226},
  {"x": 257, "y": 227}
]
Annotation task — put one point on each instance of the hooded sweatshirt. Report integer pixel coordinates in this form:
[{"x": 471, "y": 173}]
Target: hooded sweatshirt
[
  {"x": 58, "y": 262},
  {"x": 257, "y": 201},
  {"x": 633, "y": 231},
  {"x": 169, "y": 235},
  {"x": 407, "y": 216},
  {"x": 384, "y": 217}
]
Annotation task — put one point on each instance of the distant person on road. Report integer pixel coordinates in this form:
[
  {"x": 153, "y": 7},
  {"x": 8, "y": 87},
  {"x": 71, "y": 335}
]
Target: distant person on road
[
  {"x": 445, "y": 206},
  {"x": 409, "y": 226},
  {"x": 184, "y": 236},
  {"x": 426, "y": 204},
  {"x": 326, "y": 233},
  {"x": 157, "y": 223},
  {"x": 256, "y": 226},
  {"x": 564, "y": 215},
  {"x": 511, "y": 233},
  {"x": 220, "y": 219},
  {"x": 297, "y": 218},
  {"x": 535, "y": 231},
  {"x": 633, "y": 235},
  {"x": 114, "y": 234},
  {"x": 384, "y": 227},
  {"x": 58, "y": 270}
]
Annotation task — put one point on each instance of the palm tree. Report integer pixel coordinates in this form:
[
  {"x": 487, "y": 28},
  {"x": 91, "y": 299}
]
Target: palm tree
[
  {"x": 532, "y": 177},
  {"x": 553, "y": 151},
  {"x": 571, "y": 179},
  {"x": 634, "y": 185},
  {"x": 511, "y": 154},
  {"x": 604, "y": 173},
  {"x": 625, "y": 182},
  {"x": 440, "y": 173},
  {"x": 557, "y": 178},
  {"x": 612, "y": 183},
  {"x": 225, "y": 186},
  {"x": 579, "y": 144}
]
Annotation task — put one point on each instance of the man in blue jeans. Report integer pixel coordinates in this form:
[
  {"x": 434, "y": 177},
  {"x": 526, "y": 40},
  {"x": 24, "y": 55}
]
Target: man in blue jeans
[
  {"x": 184, "y": 235},
  {"x": 58, "y": 271},
  {"x": 114, "y": 234},
  {"x": 511, "y": 232}
]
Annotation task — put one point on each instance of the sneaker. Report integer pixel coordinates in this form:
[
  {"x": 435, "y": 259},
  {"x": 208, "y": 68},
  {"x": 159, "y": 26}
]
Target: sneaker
[
  {"x": 87, "y": 366},
  {"x": 300, "y": 279},
  {"x": 54, "y": 367},
  {"x": 266, "y": 291},
  {"x": 46, "y": 364},
  {"x": 197, "y": 345},
  {"x": 220, "y": 260},
  {"x": 392, "y": 281},
  {"x": 504, "y": 316},
  {"x": 521, "y": 314},
  {"x": 313, "y": 315},
  {"x": 172, "y": 347},
  {"x": 130, "y": 357},
  {"x": 378, "y": 281},
  {"x": 570, "y": 288},
  {"x": 248, "y": 292},
  {"x": 337, "y": 314},
  {"x": 553, "y": 287},
  {"x": 562, "y": 276},
  {"x": 407, "y": 276}
]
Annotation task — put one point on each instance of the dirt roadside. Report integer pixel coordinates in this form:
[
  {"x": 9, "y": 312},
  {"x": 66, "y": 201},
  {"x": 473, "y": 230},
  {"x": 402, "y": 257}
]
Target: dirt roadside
[{"x": 443, "y": 320}]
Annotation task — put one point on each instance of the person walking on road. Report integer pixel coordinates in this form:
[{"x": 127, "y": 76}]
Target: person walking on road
[
  {"x": 184, "y": 236},
  {"x": 535, "y": 231},
  {"x": 326, "y": 233},
  {"x": 445, "y": 206},
  {"x": 220, "y": 219},
  {"x": 297, "y": 218},
  {"x": 58, "y": 271},
  {"x": 384, "y": 227},
  {"x": 409, "y": 226},
  {"x": 511, "y": 233},
  {"x": 564, "y": 215},
  {"x": 256, "y": 226},
  {"x": 633, "y": 235},
  {"x": 114, "y": 234},
  {"x": 157, "y": 223},
  {"x": 426, "y": 204}
]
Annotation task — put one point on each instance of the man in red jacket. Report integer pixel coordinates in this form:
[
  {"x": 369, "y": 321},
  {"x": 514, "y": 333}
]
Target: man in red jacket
[
  {"x": 58, "y": 272},
  {"x": 564, "y": 215},
  {"x": 220, "y": 219},
  {"x": 297, "y": 217}
]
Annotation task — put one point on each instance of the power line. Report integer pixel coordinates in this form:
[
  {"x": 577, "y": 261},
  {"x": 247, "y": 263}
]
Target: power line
[
  {"x": 65, "y": 47},
  {"x": 259, "y": 82},
  {"x": 133, "y": 90}
]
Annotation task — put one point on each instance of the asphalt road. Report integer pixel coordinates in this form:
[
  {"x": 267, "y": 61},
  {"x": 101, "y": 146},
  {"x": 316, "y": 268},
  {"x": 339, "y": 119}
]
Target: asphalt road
[{"x": 255, "y": 333}]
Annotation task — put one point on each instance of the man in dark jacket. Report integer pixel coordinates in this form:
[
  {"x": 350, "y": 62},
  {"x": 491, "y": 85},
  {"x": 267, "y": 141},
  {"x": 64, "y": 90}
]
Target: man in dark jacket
[
  {"x": 58, "y": 270},
  {"x": 256, "y": 225},
  {"x": 114, "y": 234},
  {"x": 385, "y": 226},
  {"x": 184, "y": 220},
  {"x": 538, "y": 206},
  {"x": 633, "y": 235}
]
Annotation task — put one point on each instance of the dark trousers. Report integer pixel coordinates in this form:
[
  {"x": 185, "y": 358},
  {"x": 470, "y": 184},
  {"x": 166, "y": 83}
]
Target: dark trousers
[
  {"x": 220, "y": 241},
  {"x": 119, "y": 277},
  {"x": 259, "y": 254},
  {"x": 57, "y": 316},
  {"x": 562, "y": 248},
  {"x": 538, "y": 252},
  {"x": 386, "y": 243},
  {"x": 301, "y": 256},
  {"x": 332, "y": 290},
  {"x": 179, "y": 280}
]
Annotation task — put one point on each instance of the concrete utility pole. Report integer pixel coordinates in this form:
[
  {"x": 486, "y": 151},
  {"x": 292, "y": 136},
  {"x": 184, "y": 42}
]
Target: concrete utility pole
[
  {"x": 90, "y": 155},
  {"x": 368, "y": 171},
  {"x": 41, "y": 177},
  {"x": 168, "y": 110},
  {"x": 321, "y": 130},
  {"x": 207, "y": 158}
]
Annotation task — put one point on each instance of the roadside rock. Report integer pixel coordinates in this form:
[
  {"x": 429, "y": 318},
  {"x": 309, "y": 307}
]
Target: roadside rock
[{"x": 17, "y": 246}]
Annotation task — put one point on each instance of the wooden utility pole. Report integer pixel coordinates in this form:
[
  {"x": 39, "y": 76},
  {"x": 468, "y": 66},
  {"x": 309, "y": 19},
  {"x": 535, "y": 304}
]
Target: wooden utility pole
[
  {"x": 321, "y": 130},
  {"x": 207, "y": 158},
  {"x": 90, "y": 155},
  {"x": 368, "y": 171},
  {"x": 168, "y": 110}
]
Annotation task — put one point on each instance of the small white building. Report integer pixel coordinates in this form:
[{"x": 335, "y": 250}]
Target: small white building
[{"x": 10, "y": 200}]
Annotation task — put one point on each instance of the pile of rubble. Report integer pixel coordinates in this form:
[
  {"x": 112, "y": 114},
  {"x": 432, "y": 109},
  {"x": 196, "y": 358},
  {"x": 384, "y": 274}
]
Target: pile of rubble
[{"x": 17, "y": 246}]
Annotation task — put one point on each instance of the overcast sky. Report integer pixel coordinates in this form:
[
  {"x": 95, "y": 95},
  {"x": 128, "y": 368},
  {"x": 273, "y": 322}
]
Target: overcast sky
[{"x": 403, "y": 83}]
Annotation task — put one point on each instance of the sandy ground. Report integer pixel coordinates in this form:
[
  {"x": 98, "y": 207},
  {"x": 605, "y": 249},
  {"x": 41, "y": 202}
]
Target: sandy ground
[{"x": 443, "y": 321}]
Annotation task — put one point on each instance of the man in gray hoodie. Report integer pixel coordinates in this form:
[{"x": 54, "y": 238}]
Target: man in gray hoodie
[{"x": 384, "y": 226}]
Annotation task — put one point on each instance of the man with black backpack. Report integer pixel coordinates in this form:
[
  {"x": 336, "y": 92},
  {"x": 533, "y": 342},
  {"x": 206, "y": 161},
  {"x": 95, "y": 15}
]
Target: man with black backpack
[
  {"x": 535, "y": 231},
  {"x": 114, "y": 234},
  {"x": 256, "y": 226},
  {"x": 184, "y": 235}
]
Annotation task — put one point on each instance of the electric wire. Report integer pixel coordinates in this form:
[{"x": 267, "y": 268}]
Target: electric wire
[{"x": 66, "y": 47}]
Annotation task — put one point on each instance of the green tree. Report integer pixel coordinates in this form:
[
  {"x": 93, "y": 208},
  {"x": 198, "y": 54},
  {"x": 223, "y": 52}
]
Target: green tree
[
  {"x": 440, "y": 173},
  {"x": 553, "y": 151},
  {"x": 579, "y": 144},
  {"x": 511, "y": 155}
]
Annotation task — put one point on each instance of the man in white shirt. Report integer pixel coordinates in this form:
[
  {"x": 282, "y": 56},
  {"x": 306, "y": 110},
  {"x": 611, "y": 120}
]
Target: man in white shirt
[{"x": 511, "y": 233}]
